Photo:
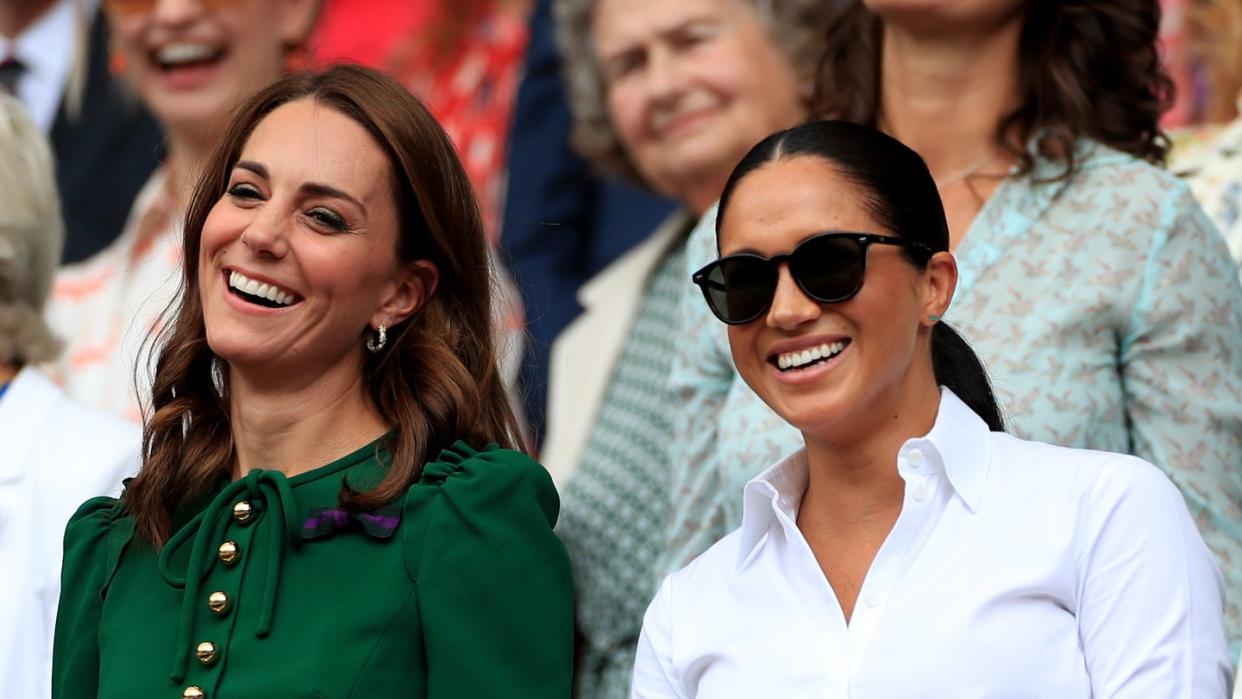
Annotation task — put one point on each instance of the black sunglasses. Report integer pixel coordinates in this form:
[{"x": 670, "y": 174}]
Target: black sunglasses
[{"x": 828, "y": 267}]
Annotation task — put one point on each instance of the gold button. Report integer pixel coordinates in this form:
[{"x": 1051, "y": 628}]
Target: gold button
[
  {"x": 206, "y": 653},
  {"x": 243, "y": 511},
  {"x": 193, "y": 692},
  {"x": 218, "y": 602},
  {"x": 230, "y": 553}
]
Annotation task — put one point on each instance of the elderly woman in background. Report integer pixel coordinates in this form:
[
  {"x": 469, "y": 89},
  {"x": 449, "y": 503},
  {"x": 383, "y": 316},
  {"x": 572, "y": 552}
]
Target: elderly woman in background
[
  {"x": 1101, "y": 299},
  {"x": 190, "y": 63},
  {"x": 671, "y": 94},
  {"x": 55, "y": 453}
]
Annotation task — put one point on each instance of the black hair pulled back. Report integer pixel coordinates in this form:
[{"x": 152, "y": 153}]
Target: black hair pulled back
[{"x": 899, "y": 193}]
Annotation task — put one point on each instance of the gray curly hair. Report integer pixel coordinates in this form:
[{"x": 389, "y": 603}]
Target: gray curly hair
[
  {"x": 31, "y": 236},
  {"x": 796, "y": 26}
]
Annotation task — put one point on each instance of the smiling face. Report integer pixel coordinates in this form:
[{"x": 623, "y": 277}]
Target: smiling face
[
  {"x": 193, "y": 60},
  {"x": 874, "y": 348},
  {"x": 298, "y": 258},
  {"x": 691, "y": 86}
]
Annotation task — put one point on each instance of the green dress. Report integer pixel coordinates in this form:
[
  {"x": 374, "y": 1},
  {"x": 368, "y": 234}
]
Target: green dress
[{"x": 268, "y": 589}]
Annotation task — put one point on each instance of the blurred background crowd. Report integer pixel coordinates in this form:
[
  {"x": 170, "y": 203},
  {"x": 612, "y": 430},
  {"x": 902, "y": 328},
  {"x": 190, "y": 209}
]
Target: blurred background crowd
[{"x": 598, "y": 135}]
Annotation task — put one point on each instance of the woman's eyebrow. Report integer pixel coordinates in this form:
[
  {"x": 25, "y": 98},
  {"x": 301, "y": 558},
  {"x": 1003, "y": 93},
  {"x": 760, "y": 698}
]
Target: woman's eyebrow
[
  {"x": 324, "y": 190},
  {"x": 313, "y": 188},
  {"x": 257, "y": 168}
]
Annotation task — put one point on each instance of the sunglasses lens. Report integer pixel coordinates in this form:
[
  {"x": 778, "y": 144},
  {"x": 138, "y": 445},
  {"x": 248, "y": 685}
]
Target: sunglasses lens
[
  {"x": 740, "y": 288},
  {"x": 829, "y": 268}
]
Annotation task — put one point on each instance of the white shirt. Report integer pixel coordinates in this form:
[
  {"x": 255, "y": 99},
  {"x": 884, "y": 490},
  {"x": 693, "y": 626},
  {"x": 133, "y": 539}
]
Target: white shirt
[
  {"x": 1015, "y": 569},
  {"x": 47, "y": 49},
  {"x": 54, "y": 454}
]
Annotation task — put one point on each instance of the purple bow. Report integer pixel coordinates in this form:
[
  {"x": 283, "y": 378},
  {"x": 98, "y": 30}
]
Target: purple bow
[{"x": 326, "y": 521}]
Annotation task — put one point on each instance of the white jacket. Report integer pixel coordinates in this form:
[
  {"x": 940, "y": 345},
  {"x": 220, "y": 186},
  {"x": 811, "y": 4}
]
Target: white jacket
[{"x": 54, "y": 455}]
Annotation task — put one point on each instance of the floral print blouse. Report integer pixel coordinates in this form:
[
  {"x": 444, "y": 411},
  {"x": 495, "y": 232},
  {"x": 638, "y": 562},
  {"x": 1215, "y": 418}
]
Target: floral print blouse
[{"x": 1107, "y": 310}]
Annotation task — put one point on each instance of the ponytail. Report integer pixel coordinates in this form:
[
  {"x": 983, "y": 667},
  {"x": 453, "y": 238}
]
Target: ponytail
[{"x": 958, "y": 369}]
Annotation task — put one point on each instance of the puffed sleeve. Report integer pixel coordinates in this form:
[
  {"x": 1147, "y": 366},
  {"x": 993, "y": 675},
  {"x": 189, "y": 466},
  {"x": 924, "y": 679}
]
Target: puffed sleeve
[
  {"x": 494, "y": 587},
  {"x": 654, "y": 675},
  {"x": 701, "y": 376},
  {"x": 1150, "y": 600},
  {"x": 84, "y": 575},
  {"x": 1181, "y": 362}
]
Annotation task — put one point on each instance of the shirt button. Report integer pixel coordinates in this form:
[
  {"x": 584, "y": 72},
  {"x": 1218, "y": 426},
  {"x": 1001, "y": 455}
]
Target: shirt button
[
  {"x": 243, "y": 512},
  {"x": 193, "y": 692},
  {"x": 218, "y": 602},
  {"x": 206, "y": 653},
  {"x": 919, "y": 493},
  {"x": 229, "y": 553},
  {"x": 873, "y": 600},
  {"x": 914, "y": 457}
]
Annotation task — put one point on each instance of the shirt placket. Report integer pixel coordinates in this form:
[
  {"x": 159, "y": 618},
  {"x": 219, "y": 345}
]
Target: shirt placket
[
  {"x": 922, "y": 492},
  {"x": 215, "y": 618}
]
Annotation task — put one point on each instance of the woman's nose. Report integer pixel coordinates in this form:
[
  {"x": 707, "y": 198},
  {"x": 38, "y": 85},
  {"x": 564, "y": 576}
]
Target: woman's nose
[
  {"x": 265, "y": 235},
  {"x": 790, "y": 306}
]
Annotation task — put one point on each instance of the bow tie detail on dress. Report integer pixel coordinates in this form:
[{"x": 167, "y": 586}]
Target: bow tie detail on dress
[{"x": 326, "y": 521}]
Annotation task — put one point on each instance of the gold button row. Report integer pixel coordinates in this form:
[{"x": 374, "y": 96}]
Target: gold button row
[{"x": 218, "y": 602}]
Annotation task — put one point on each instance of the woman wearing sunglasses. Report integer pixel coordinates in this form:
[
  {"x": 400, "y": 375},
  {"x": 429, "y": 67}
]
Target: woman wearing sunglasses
[
  {"x": 1102, "y": 301},
  {"x": 911, "y": 548}
]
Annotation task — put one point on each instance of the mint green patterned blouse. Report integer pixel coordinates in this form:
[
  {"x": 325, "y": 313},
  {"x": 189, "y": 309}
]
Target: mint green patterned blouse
[{"x": 1108, "y": 312}]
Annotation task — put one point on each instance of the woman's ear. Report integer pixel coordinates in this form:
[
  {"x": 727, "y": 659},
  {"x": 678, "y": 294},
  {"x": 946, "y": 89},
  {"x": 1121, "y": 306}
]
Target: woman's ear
[
  {"x": 413, "y": 287},
  {"x": 940, "y": 281}
]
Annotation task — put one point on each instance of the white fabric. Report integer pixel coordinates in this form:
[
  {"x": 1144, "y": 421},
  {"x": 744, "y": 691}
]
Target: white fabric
[
  {"x": 108, "y": 309},
  {"x": 47, "y": 50},
  {"x": 54, "y": 455},
  {"x": 1015, "y": 569}
]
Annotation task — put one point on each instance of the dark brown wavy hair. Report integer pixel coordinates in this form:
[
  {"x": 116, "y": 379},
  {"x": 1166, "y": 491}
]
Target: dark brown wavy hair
[
  {"x": 1088, "y": 69},
  {"x": 438, "y": 379}
]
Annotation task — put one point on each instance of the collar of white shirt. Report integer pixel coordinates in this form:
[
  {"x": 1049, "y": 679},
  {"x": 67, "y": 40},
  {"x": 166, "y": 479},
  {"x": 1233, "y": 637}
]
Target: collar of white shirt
[{"x": 957, "y": 445}]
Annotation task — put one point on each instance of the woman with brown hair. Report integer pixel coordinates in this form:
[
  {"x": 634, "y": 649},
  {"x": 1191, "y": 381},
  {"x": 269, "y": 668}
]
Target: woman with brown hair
[
  {"x": 323, "y": 509},
  {"x": 1102, "y": 301}
]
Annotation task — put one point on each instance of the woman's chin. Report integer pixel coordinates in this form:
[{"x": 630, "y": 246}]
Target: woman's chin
[{"x": 238, "y": 350}]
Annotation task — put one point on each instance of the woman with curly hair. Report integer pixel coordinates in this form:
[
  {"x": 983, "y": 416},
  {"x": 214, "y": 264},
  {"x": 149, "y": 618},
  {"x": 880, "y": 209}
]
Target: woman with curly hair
[
  {"x": 329, "y": 504},
  {"x": 1099, "y": 296}
]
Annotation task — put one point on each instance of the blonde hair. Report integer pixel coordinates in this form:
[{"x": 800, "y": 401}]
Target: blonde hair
[{"x": 32, "y": 234}]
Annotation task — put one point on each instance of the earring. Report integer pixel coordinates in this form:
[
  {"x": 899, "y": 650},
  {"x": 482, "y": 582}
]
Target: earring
[
  {"x": 377, "y": 342},
  {"x": 934, "y": 318}
]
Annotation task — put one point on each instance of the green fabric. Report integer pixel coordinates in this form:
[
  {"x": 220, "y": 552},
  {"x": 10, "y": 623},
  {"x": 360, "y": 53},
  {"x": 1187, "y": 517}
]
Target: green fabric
[{"x": 472, "y": 597}]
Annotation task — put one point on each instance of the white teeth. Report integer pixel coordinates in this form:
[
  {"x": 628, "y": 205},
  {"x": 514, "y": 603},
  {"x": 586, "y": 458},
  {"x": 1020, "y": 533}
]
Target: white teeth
[
  {"x": 271, "y": 292},
  {"x": 175, "y": 54},
  {"x": 793, "y": 360}
]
